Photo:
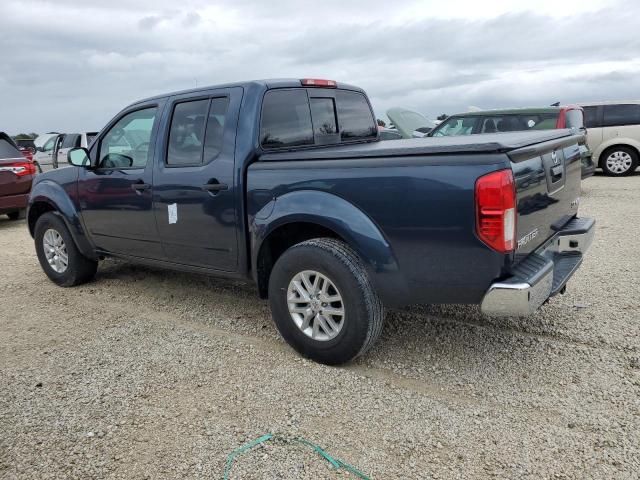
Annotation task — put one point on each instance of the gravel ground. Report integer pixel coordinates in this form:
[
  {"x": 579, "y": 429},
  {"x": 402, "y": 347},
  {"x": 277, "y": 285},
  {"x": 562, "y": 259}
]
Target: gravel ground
[{"x": 152, "y": 374}]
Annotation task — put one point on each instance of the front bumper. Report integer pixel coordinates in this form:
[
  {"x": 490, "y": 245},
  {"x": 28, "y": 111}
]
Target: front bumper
[{"x": 542, "y": 274}]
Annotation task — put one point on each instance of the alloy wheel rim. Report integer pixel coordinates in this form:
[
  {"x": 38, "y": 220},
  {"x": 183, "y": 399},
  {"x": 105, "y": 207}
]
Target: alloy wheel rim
[
  {"x": 315, "y": 305},
  {"x": 55, "y": 251},
  {"x": 619, "y": 162}
]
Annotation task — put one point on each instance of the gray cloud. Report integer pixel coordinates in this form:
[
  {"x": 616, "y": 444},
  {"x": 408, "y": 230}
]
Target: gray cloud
[{"x": 71, "y": 64}]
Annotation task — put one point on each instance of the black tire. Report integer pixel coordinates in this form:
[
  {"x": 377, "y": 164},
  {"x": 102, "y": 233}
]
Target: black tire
[
  {"x": 17, "y": 215},
  {"x": 623, "y": 151},
  {"x": 80, "y": 269},
  {"x": 363, "y": 311}
]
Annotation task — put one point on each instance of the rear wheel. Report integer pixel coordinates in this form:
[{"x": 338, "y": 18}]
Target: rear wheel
[
  {"x": 17, "y": 215},
  {"x": 323, "y": 302},
  {"x": 619, "y": 161},
  {"x": 58, "y": 255}
]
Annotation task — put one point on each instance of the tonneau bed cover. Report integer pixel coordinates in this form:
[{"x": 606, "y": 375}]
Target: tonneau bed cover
[{"x": 485, "y": 143}]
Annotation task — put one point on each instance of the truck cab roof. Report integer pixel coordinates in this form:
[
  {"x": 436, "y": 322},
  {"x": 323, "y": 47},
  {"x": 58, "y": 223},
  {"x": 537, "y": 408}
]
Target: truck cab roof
[{"x": 264, "y": 84}]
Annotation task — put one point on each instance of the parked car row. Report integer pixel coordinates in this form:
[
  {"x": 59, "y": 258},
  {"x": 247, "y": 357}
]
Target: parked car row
[
  {"x": 614, "y": 135},
  {"x": 612, "y": 130},
  {"x": 519, "y": 120}
]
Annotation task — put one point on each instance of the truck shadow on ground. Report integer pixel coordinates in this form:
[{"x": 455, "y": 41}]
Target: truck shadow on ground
[{"x": 456, "y": 338}]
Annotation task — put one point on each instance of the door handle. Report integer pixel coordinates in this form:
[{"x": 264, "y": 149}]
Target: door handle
[
  {"x": 140, "y": 186},
  {"x": 214, "y": 187}
]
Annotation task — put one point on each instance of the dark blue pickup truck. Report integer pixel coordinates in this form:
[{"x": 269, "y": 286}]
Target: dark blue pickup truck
[{"x": 285, "y": 183}]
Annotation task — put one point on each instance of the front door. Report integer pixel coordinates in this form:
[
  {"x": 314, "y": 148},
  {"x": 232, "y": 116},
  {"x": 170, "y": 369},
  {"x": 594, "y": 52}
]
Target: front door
[
  {"x": 116, "y": 195},
  {"x": 195, "y": 200}
]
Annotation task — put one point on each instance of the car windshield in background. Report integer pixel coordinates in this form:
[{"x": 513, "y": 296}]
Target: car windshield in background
[
  {"x": 496, "y": 123},
  {"x": 456, "y": 126}
]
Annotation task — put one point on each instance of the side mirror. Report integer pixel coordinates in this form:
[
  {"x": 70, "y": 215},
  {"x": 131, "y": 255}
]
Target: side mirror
[{"x": 79, "y": 157}]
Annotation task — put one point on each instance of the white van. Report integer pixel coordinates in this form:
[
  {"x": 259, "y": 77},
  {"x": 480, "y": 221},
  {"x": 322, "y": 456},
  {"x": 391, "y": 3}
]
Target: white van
[
  {"x": 53, "y": 153},
  {"x": 613, "y": 135}
]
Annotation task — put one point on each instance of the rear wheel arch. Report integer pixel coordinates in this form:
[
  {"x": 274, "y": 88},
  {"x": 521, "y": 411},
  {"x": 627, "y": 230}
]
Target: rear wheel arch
[
  {"x": 279, "y": 240},
  {"x": 630, "y": 149},
  {"x": 607, "y": 150}
]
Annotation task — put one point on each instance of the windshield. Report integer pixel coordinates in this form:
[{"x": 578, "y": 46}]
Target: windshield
[{"x": 456, "y": 126}]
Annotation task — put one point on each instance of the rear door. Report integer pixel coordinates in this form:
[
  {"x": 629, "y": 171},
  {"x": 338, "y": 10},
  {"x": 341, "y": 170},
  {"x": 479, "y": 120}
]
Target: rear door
[{"x": 195, "y": 197}]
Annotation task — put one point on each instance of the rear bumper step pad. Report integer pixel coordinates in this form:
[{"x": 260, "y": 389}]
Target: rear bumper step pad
[{"x": 543, "y": 273}]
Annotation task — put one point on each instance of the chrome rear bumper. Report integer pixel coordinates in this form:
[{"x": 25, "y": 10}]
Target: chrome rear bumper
[{"x": 542, "y": 274}]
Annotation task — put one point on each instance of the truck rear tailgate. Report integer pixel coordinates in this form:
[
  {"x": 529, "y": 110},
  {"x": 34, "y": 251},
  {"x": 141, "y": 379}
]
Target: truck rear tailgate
[{"x": 547, "y": 177}]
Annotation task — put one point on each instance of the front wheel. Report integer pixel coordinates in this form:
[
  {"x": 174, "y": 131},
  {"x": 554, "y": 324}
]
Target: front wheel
[
  {"x": 619, "y": 161},
  {"x": 323, "y": 302},
  {"x": 58, "y": 255}
]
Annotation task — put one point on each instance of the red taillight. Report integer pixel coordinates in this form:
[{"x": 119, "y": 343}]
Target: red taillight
[
  {"x": 19, "y": 168},
  {"x": 496, "y": 210},
  {"x": 317, "y": 82}
]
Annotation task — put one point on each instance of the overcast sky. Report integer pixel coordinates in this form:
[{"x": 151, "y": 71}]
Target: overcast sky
[{"x": 70, "y": 65}]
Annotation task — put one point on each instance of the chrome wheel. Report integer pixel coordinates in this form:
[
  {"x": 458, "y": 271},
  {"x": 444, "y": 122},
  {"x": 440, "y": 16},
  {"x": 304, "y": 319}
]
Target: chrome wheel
[
  {"x": 55, "y": 250},
  {"x": 619, "y": 162},
  {"x": 315, "y": 305}
]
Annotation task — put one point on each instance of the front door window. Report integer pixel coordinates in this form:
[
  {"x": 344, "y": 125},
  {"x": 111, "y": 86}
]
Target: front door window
[{"x": 126, "y": 144}]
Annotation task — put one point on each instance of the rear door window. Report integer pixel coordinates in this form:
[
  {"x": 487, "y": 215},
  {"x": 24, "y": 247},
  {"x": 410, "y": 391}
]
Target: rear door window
[
  {"x": 286, "y": 119},
  {"x": 592, "y": 117},
  {"x": 622, "y": 114},
  {"x": 356, "y": 121},
  {"x": 215, "y": 128},
  {"x": 186, "y": 136}
]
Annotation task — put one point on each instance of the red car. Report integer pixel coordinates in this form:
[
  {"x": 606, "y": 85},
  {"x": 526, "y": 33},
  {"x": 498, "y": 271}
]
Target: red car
[{"x": 16, "y": 176}]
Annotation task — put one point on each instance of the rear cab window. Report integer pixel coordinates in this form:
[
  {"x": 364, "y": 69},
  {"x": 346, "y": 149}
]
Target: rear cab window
[{"x": 301, "y": 117}]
